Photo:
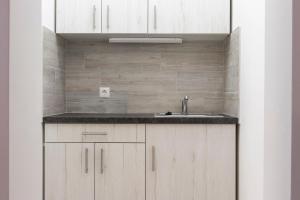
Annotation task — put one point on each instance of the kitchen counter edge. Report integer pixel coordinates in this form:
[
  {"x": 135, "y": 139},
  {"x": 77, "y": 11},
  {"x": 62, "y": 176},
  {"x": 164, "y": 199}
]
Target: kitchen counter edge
[{"x": 81, "y": 118}]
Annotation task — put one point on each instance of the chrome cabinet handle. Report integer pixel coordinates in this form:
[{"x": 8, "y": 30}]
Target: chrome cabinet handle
[
  {"x": 86, "y": 160},
  {"x": 101, "y": 160},
  {"x": 94, "y": 133},
  {"x": 94, "y": 17},
  {"x": 153, "y": 159},
  {"x": 155, "y": 18},
  {"x": 107, "y": 17}
]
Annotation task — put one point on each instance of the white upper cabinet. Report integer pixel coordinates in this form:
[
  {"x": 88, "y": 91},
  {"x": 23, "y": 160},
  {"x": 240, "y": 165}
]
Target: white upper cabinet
[
  {"x": 78, "y": 16},
  {"x": 143, "y": 16},
  {"x": 124, "y": 16},
  {"x": 189, "y": 16}
]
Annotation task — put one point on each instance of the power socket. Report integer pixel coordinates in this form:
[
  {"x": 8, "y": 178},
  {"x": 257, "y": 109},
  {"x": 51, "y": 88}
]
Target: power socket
[{"x": 104, "y": 92}]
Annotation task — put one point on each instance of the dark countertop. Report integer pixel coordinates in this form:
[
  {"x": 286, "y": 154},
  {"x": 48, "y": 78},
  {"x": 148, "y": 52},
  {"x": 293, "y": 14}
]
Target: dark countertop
[{"x": 93, "y": 118}]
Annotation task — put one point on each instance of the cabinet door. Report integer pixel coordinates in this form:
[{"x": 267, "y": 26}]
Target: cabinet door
[
  {"x": 190, "y": 162},
  {"x": 221, "y": 164},
  {"x": 78, "y": 16},
  {"x": 69, "y": 171},
  {"x": 124, "y": 16},
  {"x": 189, "y": 16},
  {"x": 120, "y": 171},
  {"x": 175, "y": 164}
]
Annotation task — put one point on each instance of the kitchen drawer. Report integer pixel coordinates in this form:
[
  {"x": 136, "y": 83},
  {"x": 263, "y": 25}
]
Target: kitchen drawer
[{"x": 95, "y": 133}]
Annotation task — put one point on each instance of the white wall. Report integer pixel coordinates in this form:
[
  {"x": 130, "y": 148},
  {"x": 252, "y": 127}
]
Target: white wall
[
  {"x": 252, "y": 63},
  {"x": 278, "y": 99},
  {"x": 265, "y": 98},
  {"x": 25, "y": 88},
  {"x": 48, "y": 13}
]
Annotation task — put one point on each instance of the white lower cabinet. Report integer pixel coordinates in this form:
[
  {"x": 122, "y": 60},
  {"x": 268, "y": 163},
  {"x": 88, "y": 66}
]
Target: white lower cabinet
[
  {"x": 221, "y": 162},
  {"x": 176, "y": 162},
  {"x": 120, "y": 172},
  {"x": 173, "y": 162},
  {"x": 69, "y": 171},
  {"x": 190, "y": 162}
]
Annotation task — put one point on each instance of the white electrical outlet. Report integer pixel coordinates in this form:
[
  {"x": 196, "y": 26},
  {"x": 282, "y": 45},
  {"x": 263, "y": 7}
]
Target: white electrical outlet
[{"x": 104, "y": 92}]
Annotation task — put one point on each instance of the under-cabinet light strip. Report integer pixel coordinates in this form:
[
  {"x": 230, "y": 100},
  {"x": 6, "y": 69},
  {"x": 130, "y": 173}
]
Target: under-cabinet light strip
[{"x": 146, "y": 40}]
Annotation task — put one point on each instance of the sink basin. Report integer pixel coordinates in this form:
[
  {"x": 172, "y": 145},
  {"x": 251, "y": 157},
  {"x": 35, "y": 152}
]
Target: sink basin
[{"x": 179, "y": 115}]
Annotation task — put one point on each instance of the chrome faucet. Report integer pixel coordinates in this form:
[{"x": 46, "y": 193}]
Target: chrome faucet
[{"x": 184, "y": 108}]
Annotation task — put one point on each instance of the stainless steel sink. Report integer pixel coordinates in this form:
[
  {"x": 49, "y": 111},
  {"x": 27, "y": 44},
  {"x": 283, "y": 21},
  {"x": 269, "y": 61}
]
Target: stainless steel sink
[{"x": 192, "y": 115}]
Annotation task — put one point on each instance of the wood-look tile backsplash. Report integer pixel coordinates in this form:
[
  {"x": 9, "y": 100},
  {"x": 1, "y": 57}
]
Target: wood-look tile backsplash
[
  {"x": 144, "y": 78},
  {"x": 232, "y": 73},
  {"x": 53, "y": 73}
]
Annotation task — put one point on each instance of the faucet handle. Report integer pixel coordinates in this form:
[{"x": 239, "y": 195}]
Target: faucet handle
[{"x": 186, "y": 98}]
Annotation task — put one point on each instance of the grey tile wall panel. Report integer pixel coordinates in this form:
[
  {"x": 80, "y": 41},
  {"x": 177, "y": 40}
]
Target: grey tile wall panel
[
  {"x": 53, "y": 73},
  {"x": 144, "y": 78},
  {"x": 232, "y": 68}
]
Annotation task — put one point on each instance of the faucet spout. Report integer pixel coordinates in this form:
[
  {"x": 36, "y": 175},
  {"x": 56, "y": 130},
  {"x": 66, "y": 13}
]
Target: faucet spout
[{"x": 184, "y": 107}]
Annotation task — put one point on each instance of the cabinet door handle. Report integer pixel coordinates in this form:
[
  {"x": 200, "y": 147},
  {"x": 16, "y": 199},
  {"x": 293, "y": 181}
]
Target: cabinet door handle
[
  {"x": 153, "y": 159},
  {"x": 94, "y": 133},
  {"x": 155, "y": 17},
  {"x": 101, "y": 161},
  {"x": 107, "y": 16},
  {"x": 94, "y": 17},
  {"x": 86, "y": 160}
]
